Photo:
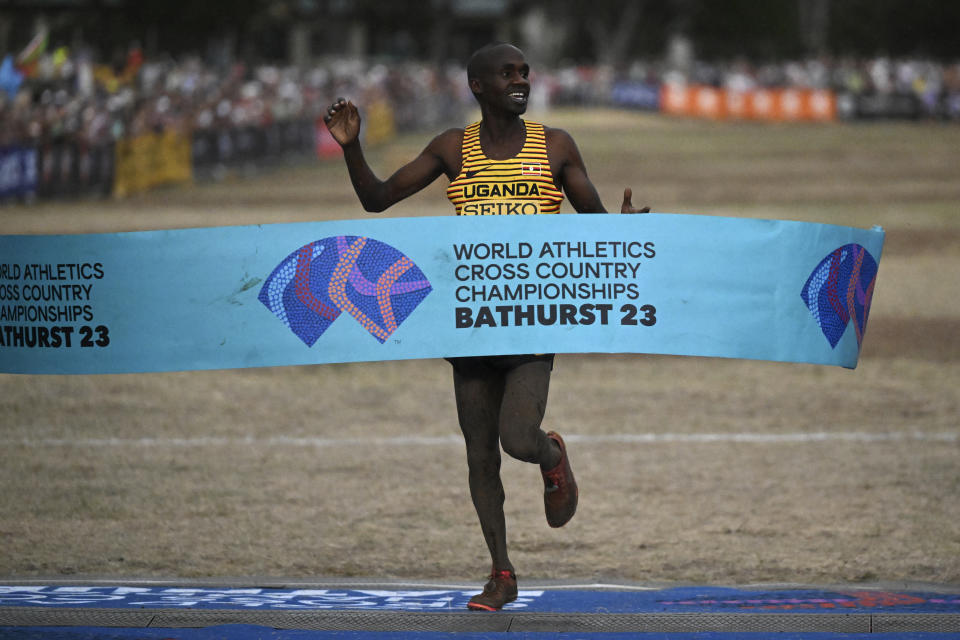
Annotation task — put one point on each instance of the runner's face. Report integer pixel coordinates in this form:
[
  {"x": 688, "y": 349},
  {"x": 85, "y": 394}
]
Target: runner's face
[{"x": 507, "y": 84}]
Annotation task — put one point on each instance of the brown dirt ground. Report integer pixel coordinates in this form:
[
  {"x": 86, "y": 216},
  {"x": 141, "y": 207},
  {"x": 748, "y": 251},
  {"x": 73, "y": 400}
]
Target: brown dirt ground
[{"x": 199, "y": 474}]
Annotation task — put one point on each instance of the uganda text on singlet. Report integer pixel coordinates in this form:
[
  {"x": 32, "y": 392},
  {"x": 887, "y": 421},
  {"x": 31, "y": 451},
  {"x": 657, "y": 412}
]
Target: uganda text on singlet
[{"x": 521, "y": 185}]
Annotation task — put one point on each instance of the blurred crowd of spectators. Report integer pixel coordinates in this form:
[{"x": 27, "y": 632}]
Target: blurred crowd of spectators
[
  {"x": 929, "y": 82},
  {"x": 932, "y": 87},
  {"x": 76, "y": 99},
  {"x": 70, "y": 96}
]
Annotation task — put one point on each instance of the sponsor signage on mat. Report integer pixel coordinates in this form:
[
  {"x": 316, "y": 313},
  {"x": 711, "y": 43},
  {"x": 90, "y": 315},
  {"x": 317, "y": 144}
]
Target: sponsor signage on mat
[{"x": 555, "y": 600}]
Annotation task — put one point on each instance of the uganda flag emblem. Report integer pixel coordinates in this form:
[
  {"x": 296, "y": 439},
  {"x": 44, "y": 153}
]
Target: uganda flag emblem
[{"x": 530, "y": 169}]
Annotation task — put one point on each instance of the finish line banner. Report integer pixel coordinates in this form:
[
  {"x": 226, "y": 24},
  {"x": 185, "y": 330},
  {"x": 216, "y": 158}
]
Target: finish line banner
[{"x": 404, "y": 288}]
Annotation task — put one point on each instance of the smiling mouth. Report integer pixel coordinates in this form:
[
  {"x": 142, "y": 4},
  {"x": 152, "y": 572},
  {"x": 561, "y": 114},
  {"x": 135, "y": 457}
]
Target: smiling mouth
[{"x": 518, "y": 96}]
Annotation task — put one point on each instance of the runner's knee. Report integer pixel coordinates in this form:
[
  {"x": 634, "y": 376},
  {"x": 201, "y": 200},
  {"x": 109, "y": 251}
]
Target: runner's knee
[
  {"x": 482, "y": 458},
  {"x": 521, "y": 443}
]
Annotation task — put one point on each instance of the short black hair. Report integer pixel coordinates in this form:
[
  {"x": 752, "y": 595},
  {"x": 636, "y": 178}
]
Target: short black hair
[{"x": 481, "y": 58}]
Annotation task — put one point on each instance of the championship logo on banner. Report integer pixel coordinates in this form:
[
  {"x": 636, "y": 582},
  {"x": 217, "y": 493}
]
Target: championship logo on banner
[
  {"x": 272, "y": 295},
  {"x": 840, "y": 290},
  {"x": 370, "y": 280}
]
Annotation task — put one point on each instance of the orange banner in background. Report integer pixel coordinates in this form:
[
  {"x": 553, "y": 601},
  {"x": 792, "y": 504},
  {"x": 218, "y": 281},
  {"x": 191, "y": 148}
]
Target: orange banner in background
[{"x": 781, "y": 105}]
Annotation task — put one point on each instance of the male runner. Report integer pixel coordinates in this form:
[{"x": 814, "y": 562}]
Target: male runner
[{"x": 500, "y": 165}]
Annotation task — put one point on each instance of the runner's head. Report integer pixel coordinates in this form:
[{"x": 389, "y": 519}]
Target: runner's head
[{"x": 499, "y": 77}]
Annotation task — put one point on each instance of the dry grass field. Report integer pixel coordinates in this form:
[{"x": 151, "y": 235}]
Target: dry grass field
[{"x": 691, "y": 470}]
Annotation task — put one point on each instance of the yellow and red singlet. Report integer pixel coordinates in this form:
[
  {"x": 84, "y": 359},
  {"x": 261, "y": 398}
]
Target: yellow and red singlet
[{"x": 521, "y": 185}]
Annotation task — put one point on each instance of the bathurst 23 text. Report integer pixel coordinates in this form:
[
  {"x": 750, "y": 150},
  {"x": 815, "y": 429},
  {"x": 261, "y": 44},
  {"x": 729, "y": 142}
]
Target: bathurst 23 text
[
  {"x": 50, "y": 306},
  {"x": 555, "y": 282}
]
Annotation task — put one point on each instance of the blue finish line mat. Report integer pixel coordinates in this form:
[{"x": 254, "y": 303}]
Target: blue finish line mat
[
  {"x": 594, "y": 612},
  {"x": 250, "y": 632},
  {"x": 674, "y": 600}
]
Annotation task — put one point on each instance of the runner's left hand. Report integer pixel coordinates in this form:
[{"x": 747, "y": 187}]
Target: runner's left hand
[{"x": 627, "y": 206}]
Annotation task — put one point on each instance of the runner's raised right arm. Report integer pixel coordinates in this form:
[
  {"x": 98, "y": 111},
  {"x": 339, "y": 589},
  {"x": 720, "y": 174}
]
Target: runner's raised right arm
[{"x": 437, "y": 158}]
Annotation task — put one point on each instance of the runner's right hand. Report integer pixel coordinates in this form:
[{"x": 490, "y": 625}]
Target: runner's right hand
[{"x": 343, "y": 121}]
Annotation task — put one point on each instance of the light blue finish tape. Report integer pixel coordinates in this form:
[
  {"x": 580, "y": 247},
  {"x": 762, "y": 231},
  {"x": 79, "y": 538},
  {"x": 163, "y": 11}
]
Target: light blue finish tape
[{"x": 401, "y": 288}]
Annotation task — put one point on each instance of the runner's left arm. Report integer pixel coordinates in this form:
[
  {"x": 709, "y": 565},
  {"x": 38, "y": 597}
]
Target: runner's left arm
[{"x": 573, "y": 179}]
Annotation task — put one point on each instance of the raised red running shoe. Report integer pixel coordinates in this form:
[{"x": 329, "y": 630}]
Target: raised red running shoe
[
  {"x": 501, "y": 589},
  {"x": 560, "y": 491}
]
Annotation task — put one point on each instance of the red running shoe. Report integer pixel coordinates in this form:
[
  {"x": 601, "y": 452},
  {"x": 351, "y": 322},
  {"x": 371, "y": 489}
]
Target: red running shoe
[
  {"x": 560, "y": 491},
  {"x": 501, "y": 589}
]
